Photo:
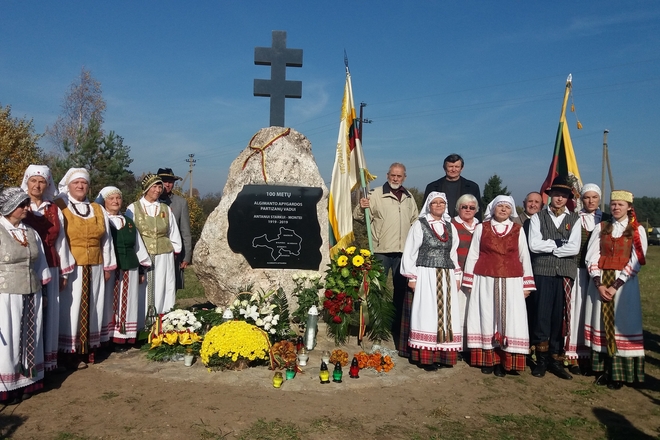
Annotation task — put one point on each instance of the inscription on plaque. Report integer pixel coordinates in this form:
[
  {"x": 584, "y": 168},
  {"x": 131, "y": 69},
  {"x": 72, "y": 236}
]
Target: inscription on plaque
[{"x": 276, "y": 226}]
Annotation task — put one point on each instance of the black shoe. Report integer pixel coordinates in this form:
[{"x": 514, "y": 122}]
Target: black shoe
[
  {"x": 575, "y": 369},
  {"x": 487, "y": 370},
  {"x": 615, "y": 385},
  {"x": 602, "y": 380},
  {"x": 440, "y": 366},
  {"x": 26, "y": 396},
  {"x": 513, "y": 373},
  {"x": 558, "y": 370},
  {"x": 121, "y": 348},
  {"x": 499, "y": 371},
  {"x": 431, "y": 367},
  {"x": 540, "y": 368}
]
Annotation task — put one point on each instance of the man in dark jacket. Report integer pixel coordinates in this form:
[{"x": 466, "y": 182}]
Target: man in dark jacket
[
  {"x": 179, "y": 207},
  {"x": 454, "y": 186}
]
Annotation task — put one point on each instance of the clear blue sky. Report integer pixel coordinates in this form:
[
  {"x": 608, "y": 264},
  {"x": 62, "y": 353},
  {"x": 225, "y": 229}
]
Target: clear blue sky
[{"x": 482, "y": 79}]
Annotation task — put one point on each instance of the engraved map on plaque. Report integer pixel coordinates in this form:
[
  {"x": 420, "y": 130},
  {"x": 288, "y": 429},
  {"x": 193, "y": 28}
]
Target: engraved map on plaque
[{"x": 276, "y": 226}]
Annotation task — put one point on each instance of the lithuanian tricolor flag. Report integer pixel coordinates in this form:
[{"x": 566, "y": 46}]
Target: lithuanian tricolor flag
[
  {"x": 563, "y": 160},
  {"x": 349, "y": 159}
]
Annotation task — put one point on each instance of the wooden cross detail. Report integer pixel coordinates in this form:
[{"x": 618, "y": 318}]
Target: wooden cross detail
[{"x": 277, "y": 87}]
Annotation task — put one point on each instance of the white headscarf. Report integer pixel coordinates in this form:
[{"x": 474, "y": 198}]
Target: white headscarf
[
  {"x": 105, "y": 192},
  {"x": 507, "y": 200},
  {"x": 42, "y": 171},
  {"x": 70, "y": 176},
  {"x": 426, "y": 210},
  {"x": 591, "y": 187}
]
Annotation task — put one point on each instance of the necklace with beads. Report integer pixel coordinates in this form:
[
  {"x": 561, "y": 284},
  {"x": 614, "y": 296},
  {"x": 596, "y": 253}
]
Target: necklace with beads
[
  {"x": 78, "y": 212},
  {"x": 24, "y": 240},
  {"x": 444, "y": 236},
  {"x": 498, "y": 234}
]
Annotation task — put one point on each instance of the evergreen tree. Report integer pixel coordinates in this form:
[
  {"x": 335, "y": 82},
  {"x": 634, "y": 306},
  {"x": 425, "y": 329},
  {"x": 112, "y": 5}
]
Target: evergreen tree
[{"x": 493, "y": 188}]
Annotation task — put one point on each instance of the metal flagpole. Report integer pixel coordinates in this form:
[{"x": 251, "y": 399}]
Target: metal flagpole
[{"x": 363, "y": 183}]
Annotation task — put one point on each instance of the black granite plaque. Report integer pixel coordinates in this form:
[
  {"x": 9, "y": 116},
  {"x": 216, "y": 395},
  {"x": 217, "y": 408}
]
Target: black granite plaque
[{"x": 276, "y": 227}]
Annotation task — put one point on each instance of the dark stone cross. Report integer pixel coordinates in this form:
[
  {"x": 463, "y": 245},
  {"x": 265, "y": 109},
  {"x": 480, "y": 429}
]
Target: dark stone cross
[{"x": 277, "y": 87}]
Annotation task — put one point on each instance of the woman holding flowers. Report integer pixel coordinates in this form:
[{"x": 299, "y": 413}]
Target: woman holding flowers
[
  {"x": 121, "y": 298},
  {"x": 23, "y": 271},
  {"x": 47, "y": 219},
  {"x": 613, "y": 312},
  {"x": 431, "y": 265},
  {"x": 498, "y": 275}
]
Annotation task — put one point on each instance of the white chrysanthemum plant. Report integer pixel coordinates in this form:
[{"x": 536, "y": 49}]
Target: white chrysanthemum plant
[{"x": 180, "y": 321}]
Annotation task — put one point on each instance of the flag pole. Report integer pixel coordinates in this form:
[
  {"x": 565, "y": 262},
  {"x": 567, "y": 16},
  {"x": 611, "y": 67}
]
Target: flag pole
[{"x": 363, "y": 182}]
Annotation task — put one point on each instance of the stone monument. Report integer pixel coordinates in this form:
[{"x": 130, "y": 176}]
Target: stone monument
[{"x": 272, "y": 220}]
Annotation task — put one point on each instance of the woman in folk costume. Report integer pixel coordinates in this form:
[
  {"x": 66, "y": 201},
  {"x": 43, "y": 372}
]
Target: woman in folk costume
[
  {"x": 577, "y": 353},
  {"x": 160, "y": 233},
  {"x": 23, "y": 271},
  {"x": 613, "y": 311},
  {"x": 83, "y": 299},
  {"x": 465, "y": 223},
  {"x": 430, "y": 263},
  {"x": 121, "y": 290},
  {"x": 498, "y": 274},
  {"x": 47, "y": 219}
]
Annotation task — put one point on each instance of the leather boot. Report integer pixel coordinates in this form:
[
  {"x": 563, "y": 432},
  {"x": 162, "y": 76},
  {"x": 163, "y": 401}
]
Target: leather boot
[
  {"x": 541, "y": 365},
  {"x": 556, "y": 367}
]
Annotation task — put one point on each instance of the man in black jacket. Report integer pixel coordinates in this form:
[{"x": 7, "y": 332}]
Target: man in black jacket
[{"x": 454, "y": 186}]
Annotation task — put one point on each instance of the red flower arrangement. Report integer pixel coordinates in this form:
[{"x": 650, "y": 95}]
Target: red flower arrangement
[{"x": 337, "y": 303}]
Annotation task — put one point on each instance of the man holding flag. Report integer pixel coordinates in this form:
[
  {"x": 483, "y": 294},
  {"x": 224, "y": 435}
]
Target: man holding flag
[{"x": 393, "y": 211}]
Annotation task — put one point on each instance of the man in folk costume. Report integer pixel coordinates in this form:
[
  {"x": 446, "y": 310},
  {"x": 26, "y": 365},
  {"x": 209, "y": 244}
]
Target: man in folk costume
[
  {"x": 498, "y": 274},
  {"x": 158, "y": 228},
  {"x": 82, "y": 301},
  {"x": 613, "y": 312},
  {"x": 179, "y": 207},
  {"x": 430, "y": 263},
  {"x": 393, "y": 211},
  {"x": 531, "y": 205},
  {"x": 47, "y": 219},
  {"x": 122, "y": 289},
  {"x": 554, "y": 241},
  {"x": 578, "y": 354}
]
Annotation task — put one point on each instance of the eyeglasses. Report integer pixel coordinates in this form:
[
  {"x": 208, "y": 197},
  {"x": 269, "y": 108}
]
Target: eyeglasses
[
  {"x": 470, "y": 208},
  {"x": 438, "y": 203},
  {"x": 24, "y": 204}
]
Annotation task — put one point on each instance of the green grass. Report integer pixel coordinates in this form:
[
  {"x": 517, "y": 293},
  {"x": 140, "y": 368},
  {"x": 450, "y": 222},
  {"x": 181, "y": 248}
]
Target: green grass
[
  {"x": 108, "y": 395},
  {"x": 193, "y": 288},
  {"x": 68, "y": 436}
]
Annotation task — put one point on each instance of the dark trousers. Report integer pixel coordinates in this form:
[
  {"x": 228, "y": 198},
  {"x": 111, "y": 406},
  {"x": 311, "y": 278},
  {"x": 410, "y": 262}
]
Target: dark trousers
[
  {"x": 548, "y": 303},
  {"x": 392, "y": 261}
]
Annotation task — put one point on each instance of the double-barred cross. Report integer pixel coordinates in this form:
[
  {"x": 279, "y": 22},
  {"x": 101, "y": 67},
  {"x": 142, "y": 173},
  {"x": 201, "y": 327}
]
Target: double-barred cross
[{"x": 277, "y": 87}]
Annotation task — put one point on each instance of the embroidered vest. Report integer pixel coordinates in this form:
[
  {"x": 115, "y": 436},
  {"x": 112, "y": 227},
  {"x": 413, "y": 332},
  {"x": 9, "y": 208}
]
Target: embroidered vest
[
  {"x": 17, "y": 273},
  {"x": 84, "y": 234},
  {"x": 154, "y": 230},
  {"x": 499, "y": 256},
  {"x": 546, "y": 263},
  {"x": 614, "y": 252},
  {"x": 124, "y": 240},
  {"x": 434, "y": 252},
  {"x": 464, "y": 240},
  {"x": 48, "y": 228}
]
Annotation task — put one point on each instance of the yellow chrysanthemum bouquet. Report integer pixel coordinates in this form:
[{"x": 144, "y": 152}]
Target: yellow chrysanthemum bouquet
[{"x": 235, "y": 345}]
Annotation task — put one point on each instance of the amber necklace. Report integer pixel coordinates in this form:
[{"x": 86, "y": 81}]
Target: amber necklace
[{"x": 24, "y": 240}]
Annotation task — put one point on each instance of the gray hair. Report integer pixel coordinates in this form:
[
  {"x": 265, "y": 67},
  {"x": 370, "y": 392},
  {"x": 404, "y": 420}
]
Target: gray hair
[
  {"x": 397, "y": 165},
  {"x": 467, "y": 198}
]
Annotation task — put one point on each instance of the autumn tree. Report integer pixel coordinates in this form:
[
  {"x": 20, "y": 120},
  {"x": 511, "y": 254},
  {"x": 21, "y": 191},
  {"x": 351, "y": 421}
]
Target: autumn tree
[
  {"x": 18, "y": 147},
  {"x": 493, "y": 188},
  {"x": 83, "y": 103}
]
